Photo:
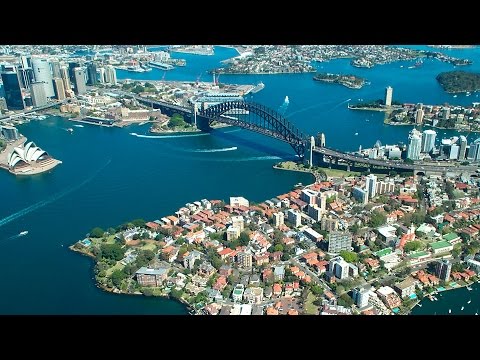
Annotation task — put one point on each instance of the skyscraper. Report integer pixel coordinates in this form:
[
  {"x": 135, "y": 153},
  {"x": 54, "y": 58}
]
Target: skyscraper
[
  {"x": 428, "y": 140},
  {"x": 92, "y": 74},
  {"x": 101, "y": 75},
  {"x": 42, "y": 73},
  {"x": 56, "y": 69},
  {"x": 371, "y": 185},
  {"x": 415, "y": 145},
  {"x": 463, "y": 148},
  {"x": 474, "y": 151},
  {"x": 110, "y": 75},
  {"x": 59, "y": 89},
  {"x": 388, "y": 95},
  {"x": 71, "y": 73},
  {"x": 65, "y": 78},
  {"x": 37, "y": 90},
  {"x": 443, "y": 269},
  {"x": 419, "y": 116},
  {"x": 79, "y": 81},
  {"x": 13, "y": 92}
]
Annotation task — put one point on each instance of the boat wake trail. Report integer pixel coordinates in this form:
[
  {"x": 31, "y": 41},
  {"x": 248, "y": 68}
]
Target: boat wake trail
[
  {"x": 254, "y": 158},
  {"x": 50, "y": 200},
  {"x": 166, "y": 136},
  {"x": 215, "y": 150},
  {"x": 232, "y": 131},
  {"x": 338, "y": 105}
]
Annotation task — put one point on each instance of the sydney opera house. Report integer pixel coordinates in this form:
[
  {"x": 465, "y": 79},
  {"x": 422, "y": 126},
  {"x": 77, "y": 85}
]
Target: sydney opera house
[{"x": 30, "y": 159}]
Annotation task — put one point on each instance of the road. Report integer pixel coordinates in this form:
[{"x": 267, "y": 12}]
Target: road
[
  {"x": 19, "y": 114},
  {"x": 393, "y": 164}
]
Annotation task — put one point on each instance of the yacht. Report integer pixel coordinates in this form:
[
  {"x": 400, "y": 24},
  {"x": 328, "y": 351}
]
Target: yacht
[
  {"x": 463, "y": 307},
  {"x": 449, "y": 311},
  {"x": 454, "y": 95},
  {"x": 23, "y": 233},
  {"x": 469, "y": 301}
]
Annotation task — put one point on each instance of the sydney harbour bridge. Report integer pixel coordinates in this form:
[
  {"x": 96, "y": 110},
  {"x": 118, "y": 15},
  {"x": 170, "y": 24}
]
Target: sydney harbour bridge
[{"x": 266, "y": 121}]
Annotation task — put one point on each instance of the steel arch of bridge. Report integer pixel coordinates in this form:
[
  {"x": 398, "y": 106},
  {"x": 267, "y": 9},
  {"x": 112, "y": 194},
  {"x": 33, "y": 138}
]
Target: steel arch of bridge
[{"x": 260, "y": 119}]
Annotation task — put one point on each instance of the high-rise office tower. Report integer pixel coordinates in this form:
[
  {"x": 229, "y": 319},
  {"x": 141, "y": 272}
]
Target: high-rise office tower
[
  {"x": 463, "y": 148},
  {"x": 37, "y": 91},
  {"x": 371, "y": 185},
  {"x": 414, "y": 145},
  {"x": 110, "y": 75},
  {"x": 59, "y": 89},
  {"x": 388, "y": 95},
  {"x": 42, "y": 73},
  {"x": 13, "y": 92},
  {"x": 101, "y": 75},
  {"x": 79, "y": 81},
  {"x": 56, "y": 69},
  {"x": 65, "y": 78},
  {"x": 428, "y": 140},
  {"x": 92, "y": 74}
]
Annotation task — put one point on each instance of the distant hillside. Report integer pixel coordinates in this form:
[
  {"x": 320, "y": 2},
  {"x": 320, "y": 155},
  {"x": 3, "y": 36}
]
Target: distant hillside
[{"x": 459, "y": 81}]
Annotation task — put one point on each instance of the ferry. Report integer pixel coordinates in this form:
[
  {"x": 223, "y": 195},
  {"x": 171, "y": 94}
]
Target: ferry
[
  {"x": 160, "y": 65},
  {"x": 23, "y": 233},
  {"x": 258, "y": 87}
]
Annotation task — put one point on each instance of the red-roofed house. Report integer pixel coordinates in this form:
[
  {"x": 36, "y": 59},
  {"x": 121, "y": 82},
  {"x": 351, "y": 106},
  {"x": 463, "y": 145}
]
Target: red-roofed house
[{"x": 277, "y": 289}]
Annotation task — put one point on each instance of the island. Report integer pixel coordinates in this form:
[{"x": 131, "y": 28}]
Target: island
[
  {"x": 459, "y": 81},
  {"x": 350, "y": 81}
]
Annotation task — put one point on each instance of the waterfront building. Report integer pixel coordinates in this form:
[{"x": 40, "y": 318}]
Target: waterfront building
[
  {"x": 389, "y": 297},
  {"x": 394, "y": 153},
  {"x": 278, "y": 219},
  {"x": 388, "y": 96},
  {"x": 294, "y": 217},
  {"x": 23, "y": 156},
  {"x": 360, "y": 194},
  {"x": 406, "y": 287},
  {"x": 338, "y": 241},
  {"x": 9, "y": 133},
  {"x": 151, "y": 277},
  {"x": 92, "y": 73},
  {"x": 443, "y": 269},
  {"x": 236, "y": 201},
  {"x": 110, "y": 75},
  {"x": 361, "y": 297},
  {"x": 59, "y": 89},
  {"x": 414, "y": 145},
  {"x": 329, "y": 223},
  {"x": 419, "y": 116},
  {"x": 463, "y": 148},
  {"x": 309, "y": 196},
  {"x": 428, "y": 140},
  {"x": 13, "y": 92},
  {"x": 79, "y": 81},
  {"x": 37, "y": 91},
  {"x": 446, "y": 112},
  {"x": 474, "y": 151},
  {"x": 42, "y": 73},
  {"x": 371, "y": 185},
  {"x": 454, "y": 152}
]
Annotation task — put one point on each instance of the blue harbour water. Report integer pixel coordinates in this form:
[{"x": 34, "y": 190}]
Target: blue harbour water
[{"x": 112, "y": 175}]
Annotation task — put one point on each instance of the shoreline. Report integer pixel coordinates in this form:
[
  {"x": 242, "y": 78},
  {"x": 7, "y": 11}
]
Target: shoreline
[
  {"x": 437, "y": 292},
  {"x": 102, "y": 287}
]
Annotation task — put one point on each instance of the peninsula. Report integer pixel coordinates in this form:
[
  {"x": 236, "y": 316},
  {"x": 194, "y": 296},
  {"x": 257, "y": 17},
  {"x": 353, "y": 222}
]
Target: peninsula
[
  {"x": 350, "y": 81},
  {"x": 312, "y": 250},
  {"x": 459, "y": 81}
]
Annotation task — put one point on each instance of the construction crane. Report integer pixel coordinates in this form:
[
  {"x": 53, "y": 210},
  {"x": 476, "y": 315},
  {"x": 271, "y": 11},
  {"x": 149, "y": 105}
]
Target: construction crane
[{"x": 198, "y": 79}]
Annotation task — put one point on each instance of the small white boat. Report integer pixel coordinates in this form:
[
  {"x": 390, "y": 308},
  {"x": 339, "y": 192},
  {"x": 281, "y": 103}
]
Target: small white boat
[
  {"x": 469, "y": 301},
  {"x": 401, "y": 66},
  {"x": 356, "y": 134},
  {"x": 23, "y": 233},
  {"x": 80, "y": 126},
  {"x": 449, "y": 311},
  {"x": 454, "y": 95},
  {"x": 469, "y": 288},
  {"x": 70, "y": 130},
  {"x": 463, "y": 307},
  {"x": 420, "y": 305}
]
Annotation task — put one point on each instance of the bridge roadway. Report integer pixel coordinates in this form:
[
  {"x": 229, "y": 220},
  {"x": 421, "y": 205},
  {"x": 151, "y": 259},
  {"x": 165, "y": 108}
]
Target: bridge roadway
[
  {"x": 20, "y": 114},
  {"x": 321, "y": 150},
  {"x": 393, "y": 164}
]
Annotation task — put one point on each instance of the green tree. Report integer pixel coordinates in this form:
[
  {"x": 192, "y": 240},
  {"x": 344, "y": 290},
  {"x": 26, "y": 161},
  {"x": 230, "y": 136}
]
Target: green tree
[
  {"x": 117, "y": 277},
  {"x": 176, "y": 120},
  {"x": 244, "y": 239},
  {"x": 377, "y": 218},
  {"x": 349, "y": 256},
  {"x": 316, "y": 290},
  {"x": 412, "y": 246},
  {"x": 97, "y": 232},
  {"x": 278, "y": 247},
  {"x": 112, "y": 251}
]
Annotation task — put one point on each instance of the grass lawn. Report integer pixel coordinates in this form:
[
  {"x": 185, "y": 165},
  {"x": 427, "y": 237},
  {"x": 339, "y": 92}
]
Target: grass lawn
[
  {"x": 339, "y": 173},
  {"x": 150, "y": 245},
  {"x": 118, "y": 266},
  {"x": 310, "y": 309}
]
